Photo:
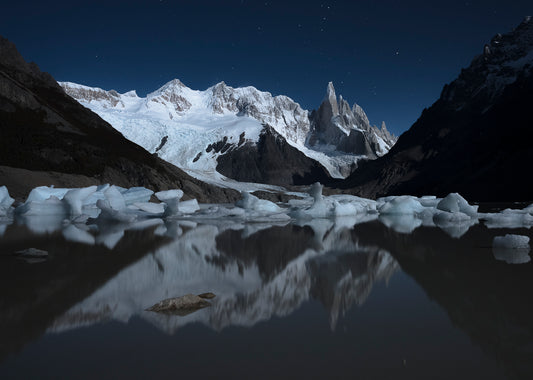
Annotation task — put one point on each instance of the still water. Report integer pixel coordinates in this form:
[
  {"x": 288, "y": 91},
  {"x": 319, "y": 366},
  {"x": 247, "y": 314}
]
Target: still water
[{"x": 322, "y": 299}]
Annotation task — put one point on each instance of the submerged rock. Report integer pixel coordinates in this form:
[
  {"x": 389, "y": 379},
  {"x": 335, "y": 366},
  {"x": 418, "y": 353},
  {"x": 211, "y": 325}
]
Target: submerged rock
[
  {"x": 207, "y": 295},
  {"x": 32, "y": 253},
  {"x": 184, "y": 305}
]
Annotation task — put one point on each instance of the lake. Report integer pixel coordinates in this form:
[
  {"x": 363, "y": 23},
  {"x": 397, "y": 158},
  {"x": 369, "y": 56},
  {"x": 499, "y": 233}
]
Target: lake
[{"x": 341, "y": 298}]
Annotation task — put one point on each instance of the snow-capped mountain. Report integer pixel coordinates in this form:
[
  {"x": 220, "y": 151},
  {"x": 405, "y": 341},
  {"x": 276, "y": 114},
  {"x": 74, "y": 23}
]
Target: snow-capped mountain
[
  {"x": 475, "y": 139},
  {"x": 195, "y": 129}
]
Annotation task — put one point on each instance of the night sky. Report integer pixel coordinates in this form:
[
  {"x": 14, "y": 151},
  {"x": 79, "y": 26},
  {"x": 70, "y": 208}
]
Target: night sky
[{"x": 391, "y": 57}]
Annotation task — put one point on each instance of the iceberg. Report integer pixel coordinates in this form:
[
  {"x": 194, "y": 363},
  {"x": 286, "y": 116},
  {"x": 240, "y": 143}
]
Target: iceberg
[
  {"x": 171, "y": 199},
  {"x": 74, "y": 199},
  {"x": 454, "y": 203},
  {"x": 400, "y": 205},
  {"x": 5, "y": 201}
]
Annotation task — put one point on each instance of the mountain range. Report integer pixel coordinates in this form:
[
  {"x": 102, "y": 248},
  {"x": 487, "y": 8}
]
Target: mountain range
[
  {"x": 241, "y": 133},
  {"x": 475, "y": 139}
]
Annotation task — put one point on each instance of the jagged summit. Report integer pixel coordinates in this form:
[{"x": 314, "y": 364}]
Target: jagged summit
[
  {"x": 503, "y": 60},
  {"x": 335, "y": 124}
]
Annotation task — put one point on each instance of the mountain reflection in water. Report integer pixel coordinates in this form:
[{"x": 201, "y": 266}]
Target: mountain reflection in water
[{"x": 100, "y": 274}]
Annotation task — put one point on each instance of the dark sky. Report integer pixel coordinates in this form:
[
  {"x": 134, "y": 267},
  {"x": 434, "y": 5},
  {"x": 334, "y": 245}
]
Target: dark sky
[{"x": 391, "y": 57}]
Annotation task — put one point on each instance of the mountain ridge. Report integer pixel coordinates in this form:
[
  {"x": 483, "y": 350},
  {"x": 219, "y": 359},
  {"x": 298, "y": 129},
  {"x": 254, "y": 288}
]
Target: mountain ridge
[
  {"x": 223, "y": 113},
  {"x": 475, "y": 139}
]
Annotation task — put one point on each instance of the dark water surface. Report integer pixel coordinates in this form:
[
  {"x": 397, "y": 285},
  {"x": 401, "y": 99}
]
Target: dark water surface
[{"x": 326, "y": 299}]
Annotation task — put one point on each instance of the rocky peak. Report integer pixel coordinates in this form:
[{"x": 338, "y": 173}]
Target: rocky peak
[
  {"x": 172, "y": 94},
  {"x": 25, "y": 72},
  {"x": 330, "y": 101},
  {"x": 360, "y": 117},
  {"x": 504, "y": 59},
  {"x": 107, "y": 99},
  {"x": 223, "y": 98}
]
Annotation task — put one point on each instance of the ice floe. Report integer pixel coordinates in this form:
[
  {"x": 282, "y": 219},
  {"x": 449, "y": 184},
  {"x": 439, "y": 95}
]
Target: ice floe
[{"x": 48, "y": 209}]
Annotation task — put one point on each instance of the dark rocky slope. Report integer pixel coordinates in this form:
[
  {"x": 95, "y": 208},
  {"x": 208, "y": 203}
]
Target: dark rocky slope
[
  {"x": 475, "y": 140},
  {"x": 44, "y": 130},
  {"x": 272, "y": 160}
]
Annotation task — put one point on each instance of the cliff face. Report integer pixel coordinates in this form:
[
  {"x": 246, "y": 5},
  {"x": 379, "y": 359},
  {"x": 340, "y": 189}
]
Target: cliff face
[
  {"x": 475, "y": 140},
  {"x": 271, "y": 160},
  {"x": 43, "y": 129}
]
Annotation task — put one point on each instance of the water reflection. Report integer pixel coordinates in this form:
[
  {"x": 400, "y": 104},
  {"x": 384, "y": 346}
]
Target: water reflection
[
  {"x": 99, "y": 273},
  {"x": 257, "y": 272}
]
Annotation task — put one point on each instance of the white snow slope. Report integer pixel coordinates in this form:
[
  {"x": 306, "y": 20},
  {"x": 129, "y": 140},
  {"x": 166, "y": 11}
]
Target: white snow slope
[{"x": 191, "y": 120}]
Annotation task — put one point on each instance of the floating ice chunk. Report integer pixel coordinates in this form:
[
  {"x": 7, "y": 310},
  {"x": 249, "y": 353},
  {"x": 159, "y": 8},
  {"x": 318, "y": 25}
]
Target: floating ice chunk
[
  {"x": 251, "y": 202},
  {"x": 150, "y": 207},
  {"x": 169, "y": 194},
  {"x": 136, "y": 194},
  {"x": 318, "y": 209},
  {"x": 508, "y": 218},
  {"x": 42, "y": 193},
  {"x": 74, "y": 199},
  {"x": 401, "y": 205},
  {"x": 98, "y": 194},
  {"x": 188, "y": 207},
  {"x": 453, "y": 202},
  {"x": 5, "y": 200},
  {"x": 171, "y": 198},
  {"x": 218, "y": 211},
  {"x": 76, "y": 235},
  {"x": 429, "y": 201},
  {"x": 107, "y": 212},
  {"x": 511, "y": 241},
  {"x": 114, "y": 198},
  {"x": 315, "y": 191},
  {"x": 345, "y": 209},
  {"x": 359, "y": 205}
]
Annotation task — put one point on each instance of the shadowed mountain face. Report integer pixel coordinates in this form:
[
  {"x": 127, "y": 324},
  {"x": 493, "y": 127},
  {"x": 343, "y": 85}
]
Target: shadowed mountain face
[
  {"x": 43, "y": 129},
  {"x": 271, "y": 160},
  {"x": 475, "y": 140}
]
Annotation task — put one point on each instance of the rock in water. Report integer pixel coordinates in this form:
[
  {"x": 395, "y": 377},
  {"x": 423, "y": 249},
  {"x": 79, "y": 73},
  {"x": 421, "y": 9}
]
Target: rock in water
[
  {"x": 32, "y": 253},
  {"x": 207, "y": 295},
  {"x": 184, "y": 305}
]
